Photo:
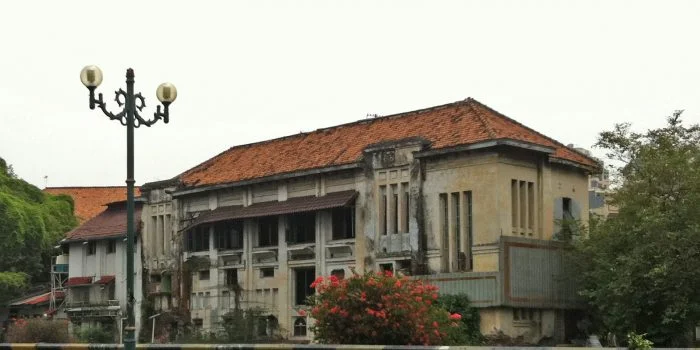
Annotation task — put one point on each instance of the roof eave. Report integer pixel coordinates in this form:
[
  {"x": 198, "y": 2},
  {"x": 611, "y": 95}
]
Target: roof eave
[
  {"x": 486, "y": 144},
  {"x": 89, "y": 239},
  {"x": 587, "y": 168},
  {"x": 283, "y": 176}
]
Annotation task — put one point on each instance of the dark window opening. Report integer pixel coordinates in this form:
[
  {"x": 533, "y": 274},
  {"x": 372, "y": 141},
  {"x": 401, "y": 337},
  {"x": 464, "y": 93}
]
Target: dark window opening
[
  {"x": 267, "y": 272},
  {"x": 204, "y": 275},
  {"x": 394, "y": 209},
  {"x": 111, "y": 246},
  {"x": 268, "y": 234},
  {"x": 228, "y": 235},
  {"x": 406, "y": 207},
  {"x": 198, "y": 322},
  {"x": 339, "y": 273},
  {"x": 231, "y": 277},
  {"x": 383, "y": 211},
  {"x": 343, "y": 222},
  {"x": 262, "y": 326},
  {"x": 155, "y": 278},
  {"x": 386, "y": 267},
  {"x": 566, "y": 209},
  {"x": 198, "y": 239},
  {"x": 304, "y": 278},
  {"x": 302, "y": 228},
  {"x": 404, "y": 266},
  {"x": 300, "y": 327},
  {"x": 91, "y": 248}
]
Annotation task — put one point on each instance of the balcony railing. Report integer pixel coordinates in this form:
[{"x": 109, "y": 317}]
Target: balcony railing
[{"x": 91, "y": 304}]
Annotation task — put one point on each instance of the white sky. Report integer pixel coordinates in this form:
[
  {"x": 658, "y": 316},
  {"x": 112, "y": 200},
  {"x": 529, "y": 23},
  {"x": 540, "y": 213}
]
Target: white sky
[{"x": 250, "y": 71}]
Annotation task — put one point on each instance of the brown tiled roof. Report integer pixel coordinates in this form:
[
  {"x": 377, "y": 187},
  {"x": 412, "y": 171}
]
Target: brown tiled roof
[
  {"x": 90, "y": 201},
  {"x": 110, "y": 223},
  {"x": 290, "y": 206},
  {"x": 79, "y": 281},
  {"x": 106, "y": 279},
  {"x": 451, "y": 125}
]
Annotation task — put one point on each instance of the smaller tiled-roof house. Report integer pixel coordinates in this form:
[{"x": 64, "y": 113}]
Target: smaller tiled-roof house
[
  {"x": 91, "y": 200},
  {"x": 96, "y": 284},
  {"x": 458, "y": 194}
]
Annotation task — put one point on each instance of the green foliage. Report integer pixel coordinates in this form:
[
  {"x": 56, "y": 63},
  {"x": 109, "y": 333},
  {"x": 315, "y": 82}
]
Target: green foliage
[
  {"x": 12, "y": 284},
  {"x": 639, "y": 270},
  {"x": 31, "y": 223},
  {"x": 95, "y": 335},
  {"x": 240, "y": 326},
  {"x": 638, "y": 342},
  {"x": 469, "y": 333},
  {"x": 381, "y": 309},
  {"x": 38, "y": 331}
]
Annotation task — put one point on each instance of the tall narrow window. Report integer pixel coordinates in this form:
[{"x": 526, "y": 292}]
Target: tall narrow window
[
  {"x": 111, "y": 246},
  {"x": 394, "y": 208},
  {"x": 523, "y": 207},
  {"x": 456, "y": 232},
  {"x": 566, "y": 209},
  {"x": 300, "y": 327},
  {"x": 154, "y": 233},
  {"x": 406, "y": 207},
  {"x": 268, "y": 234},
  {"x": 469, "y": 228},
  {"x": 531, "y": 207},
  {"x": 444, "y": 230},
  {"x": 514, "y": 207},
  {"x": 91, "y": 248},
  {"x": 161, "y": 234},
  {"x": 302, "y": 288},
  {"x": 343, "y": 221},
  {"x": 382, "y": 210}
]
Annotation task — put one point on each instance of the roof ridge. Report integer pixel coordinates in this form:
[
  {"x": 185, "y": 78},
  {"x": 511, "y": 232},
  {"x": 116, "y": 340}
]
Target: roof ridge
[
  {"x": 480, "y": 117},
  {"x": 511, "y": 120},
  {"x": 356, "y": 122}
]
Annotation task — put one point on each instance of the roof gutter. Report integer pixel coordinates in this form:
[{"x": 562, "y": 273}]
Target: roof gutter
[{"x": 188, "y": 191}]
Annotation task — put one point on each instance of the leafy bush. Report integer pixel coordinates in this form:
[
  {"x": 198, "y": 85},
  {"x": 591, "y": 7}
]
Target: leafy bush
[
  {"x": 469, "y": 333},
  {"x": 95, "y": 335},
  {"x": 38, "y": 331},
  {"x": 380, "y": 309}
]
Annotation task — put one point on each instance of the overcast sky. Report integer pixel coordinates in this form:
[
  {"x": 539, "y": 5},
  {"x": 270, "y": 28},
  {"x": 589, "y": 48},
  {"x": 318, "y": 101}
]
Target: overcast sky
[{"x": 251, "y": 71}]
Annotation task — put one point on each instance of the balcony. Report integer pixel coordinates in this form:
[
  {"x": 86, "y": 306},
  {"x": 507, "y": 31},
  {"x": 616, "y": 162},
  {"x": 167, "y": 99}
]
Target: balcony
[
  {"x": 532, "y": 275},
  {"x": 93, "y": 309}
]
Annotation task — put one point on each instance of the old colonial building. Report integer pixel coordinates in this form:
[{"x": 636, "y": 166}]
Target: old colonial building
[
  {"x": 458, "y": 194},
  {"x": 95, "y": 290}
]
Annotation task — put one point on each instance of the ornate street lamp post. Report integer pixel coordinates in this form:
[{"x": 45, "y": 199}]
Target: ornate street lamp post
[{"x": 91, "y": 77}]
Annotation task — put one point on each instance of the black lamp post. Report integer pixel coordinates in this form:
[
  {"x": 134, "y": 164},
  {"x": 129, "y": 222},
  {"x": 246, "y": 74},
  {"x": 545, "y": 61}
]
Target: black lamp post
[{"x": 91, "y": 77}]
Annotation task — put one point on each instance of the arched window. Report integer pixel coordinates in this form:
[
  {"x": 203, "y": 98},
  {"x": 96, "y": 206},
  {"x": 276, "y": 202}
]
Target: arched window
[{"x": 300, "y": 327}]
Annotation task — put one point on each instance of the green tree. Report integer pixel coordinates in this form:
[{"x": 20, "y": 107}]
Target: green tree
[
  {"x": 31, "y": 223},
  {"x": 639, "y": 270}
]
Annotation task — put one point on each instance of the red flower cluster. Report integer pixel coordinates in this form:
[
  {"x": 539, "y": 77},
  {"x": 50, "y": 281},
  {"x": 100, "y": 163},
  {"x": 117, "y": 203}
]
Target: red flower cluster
[{"x": 379, "y": 309}]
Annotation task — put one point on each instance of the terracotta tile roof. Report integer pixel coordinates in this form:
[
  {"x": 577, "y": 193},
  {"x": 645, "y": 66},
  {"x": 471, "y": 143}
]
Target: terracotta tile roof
[
  {"x": 290, "y": 206},
  {"x": 106, "y": 279},
  {"x": 111, "y": 223},
  {"x": 79, "y": 281},
  {"x": 90, "y": 201},
  {"x": 455, "y": 124},
  {"x": 38, "y": 299}
]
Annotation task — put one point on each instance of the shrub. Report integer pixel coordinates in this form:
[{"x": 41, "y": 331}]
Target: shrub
[
  {"x": 38, "y": 331},
  {"x": 380, "y": 309},
  {"x": 638, "y": 342},
  {"x": 469, "y": 333},
  {"x": 95, "y": 335}
]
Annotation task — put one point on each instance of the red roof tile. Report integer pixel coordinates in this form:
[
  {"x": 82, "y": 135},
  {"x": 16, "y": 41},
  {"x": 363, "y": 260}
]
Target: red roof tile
[
  {"x": 455, "y": 124},
  {"x": 78, "y": 281},
  {"x": 110, "y": 223},
  {"x": 105, "y": 280},
  {"x": 39, "y": 299},
  {"x": 90, "y": 201}
]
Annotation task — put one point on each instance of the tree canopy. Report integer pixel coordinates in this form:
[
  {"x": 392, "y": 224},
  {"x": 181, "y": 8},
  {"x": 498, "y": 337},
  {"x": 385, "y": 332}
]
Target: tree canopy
[
  {"x": 31, "y": 223},
  {"x": 639, "y": 270}
]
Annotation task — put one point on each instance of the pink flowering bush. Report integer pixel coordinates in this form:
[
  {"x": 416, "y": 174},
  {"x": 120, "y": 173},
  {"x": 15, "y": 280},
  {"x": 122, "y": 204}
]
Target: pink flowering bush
[{"x": 381, "y": 309}]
